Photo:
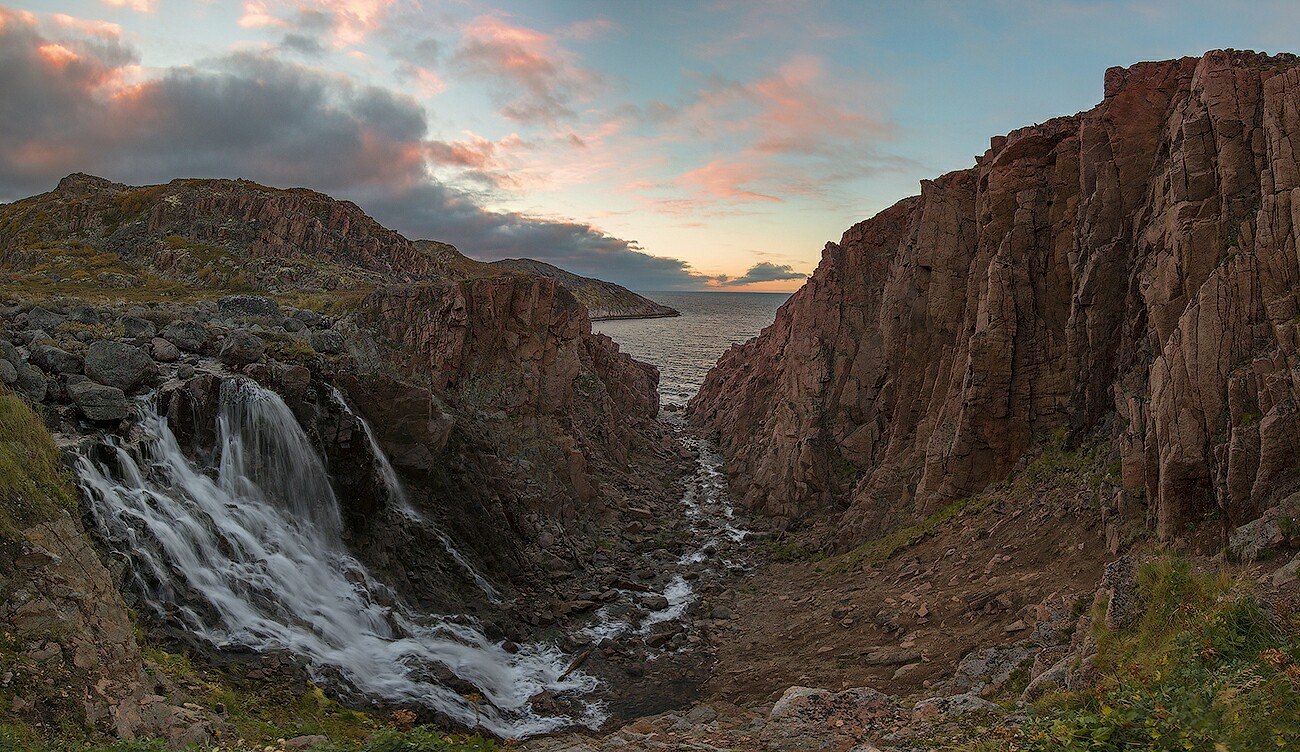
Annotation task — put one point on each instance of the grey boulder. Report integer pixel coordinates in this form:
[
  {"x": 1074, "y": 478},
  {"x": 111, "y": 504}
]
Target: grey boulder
[
  {"x": 99, "y": 402},
  {"x": 53, "y": 360},
  {"x": 187, "y": 335},
  {"x": 118, "y": 364},
  {"x": 240, "y": 348}
]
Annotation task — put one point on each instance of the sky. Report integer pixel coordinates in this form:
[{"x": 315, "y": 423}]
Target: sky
[{"x": 715, "y": 145}]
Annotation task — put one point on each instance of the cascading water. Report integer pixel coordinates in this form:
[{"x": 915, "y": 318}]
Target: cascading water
[
  {"x": 254, "y": 558},
  {"x": 397, "y": 494}
]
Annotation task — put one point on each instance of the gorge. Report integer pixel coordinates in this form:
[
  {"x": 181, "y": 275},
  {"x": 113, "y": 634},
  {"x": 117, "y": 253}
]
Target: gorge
[{"x": 278, "y": 477}]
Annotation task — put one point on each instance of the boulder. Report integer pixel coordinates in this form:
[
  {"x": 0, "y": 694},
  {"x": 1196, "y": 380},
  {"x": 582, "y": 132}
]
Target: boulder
[
  {"x": 118, "y": 364},
  {"x": 164, "y": 351},
  {"x": 953, "y": 707},
  {"x": 134, "y": 326},
  {"x": 248, "y": 306},
  {"x": 9, "y": 352},
  {"x": 54, "y": 360},
  {"x": 99, "y": 402},
  {"x": 239, "y": 348},
  {"x": 310, "y": 318},
  {"x": 805, "y": 718},
  {"x": 327, "y": 342},
  {"x": 8, "y": 373},
  {"x": 31, "y": 381},
  {"x": 44, "y": 319},
  {"x": 987, "y": 670},
  {"x": 1253, "y": 540},
  {"x": 187, "y": 335}
]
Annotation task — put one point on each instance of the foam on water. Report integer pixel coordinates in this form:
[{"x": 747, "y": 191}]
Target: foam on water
[{"x": 253, "y": 558}]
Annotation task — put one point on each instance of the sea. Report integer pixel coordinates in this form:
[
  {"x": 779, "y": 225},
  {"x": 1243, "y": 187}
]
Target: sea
[{"x": 685, "y": 347}]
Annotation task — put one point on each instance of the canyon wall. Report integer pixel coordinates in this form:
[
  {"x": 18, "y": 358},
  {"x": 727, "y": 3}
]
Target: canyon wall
[{"x": 1128, "y": 272}]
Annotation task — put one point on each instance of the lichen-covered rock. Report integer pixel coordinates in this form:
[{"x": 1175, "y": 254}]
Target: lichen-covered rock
[
  {"x": 248, "y": 306},
  {"x": 99, "y": 402},
  {"x": 54, "y": 360},
  {"x": 953, "y": 707},
  {"x": 241, "y": 347},
  {"x": 119, "y": 365},
  {"x": 134, "y": 326},
  {"x": 1129, "y": 269},
  {"x": 1274, "y": 529},
  {"x": 187, "y": 335},
  {"x": 327, "y": 342},
  {"x": 8, "y": 374}
]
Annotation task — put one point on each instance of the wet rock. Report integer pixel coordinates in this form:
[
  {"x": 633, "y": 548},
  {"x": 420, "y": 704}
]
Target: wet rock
[
  {"x": 239, "y": 348},
  {"x": 187, "y": 335},
  {"x": 99, "y": 402},
  {"x": 119, "y": 365},
  {"x": 54, "y": 360}
]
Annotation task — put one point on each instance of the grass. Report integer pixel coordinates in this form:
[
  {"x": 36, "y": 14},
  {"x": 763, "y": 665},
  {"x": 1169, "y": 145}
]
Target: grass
[
  {"x": 34, "y": 487},
  {"x": 418, "y": 739},
  {"x": 1204, "y": 669}
]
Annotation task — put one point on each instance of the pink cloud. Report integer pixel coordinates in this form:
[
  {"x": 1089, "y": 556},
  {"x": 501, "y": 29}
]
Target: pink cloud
[
  {"x": 139, "y": 6},
  {"x": 535, "y": 79},
  {"x": 349, "y": 22},
  {"x": 724, "y": 181}
]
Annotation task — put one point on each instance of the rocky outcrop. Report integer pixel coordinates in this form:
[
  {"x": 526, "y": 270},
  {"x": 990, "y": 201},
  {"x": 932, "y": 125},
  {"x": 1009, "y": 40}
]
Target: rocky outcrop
[
  {"x": 1129, "y": 271},
  {"x": 604, "y": 300}
]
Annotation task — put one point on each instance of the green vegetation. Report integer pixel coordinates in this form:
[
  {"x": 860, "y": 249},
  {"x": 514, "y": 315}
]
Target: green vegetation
[
  {"x": 33, "y": 485},
  {"x": 418, "y": 739},
  {"x": 791, "y": 552},
  {"x": 1204, "y": 669}
]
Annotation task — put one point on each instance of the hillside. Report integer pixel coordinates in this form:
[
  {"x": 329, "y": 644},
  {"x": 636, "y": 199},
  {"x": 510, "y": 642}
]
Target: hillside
[{"x": 604, "y": 300}]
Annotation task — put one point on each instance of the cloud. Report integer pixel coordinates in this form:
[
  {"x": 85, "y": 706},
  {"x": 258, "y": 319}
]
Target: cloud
[
  {"x": 532, "y": 78},
  {"x": 763, "y": 271},
  {"x": 73, "y": 98},
  {"x": 139, "y": 6}
]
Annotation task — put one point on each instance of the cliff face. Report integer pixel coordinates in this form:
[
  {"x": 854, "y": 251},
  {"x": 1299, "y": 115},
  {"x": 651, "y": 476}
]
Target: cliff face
[
  {"x": 604, "y": 300},
  {"x": 1129, "y": 271}
]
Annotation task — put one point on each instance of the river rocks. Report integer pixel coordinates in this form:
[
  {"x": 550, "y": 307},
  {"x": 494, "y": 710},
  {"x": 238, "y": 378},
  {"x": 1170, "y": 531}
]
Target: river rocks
[
  {"x": 187, "y": 335},
  {"x": 240, "y": 347},
  {"x": 1127, "y": 273},
  {"x": 53, "y": 360},
  {"x": 164, "y": 351},
  {"x": 118, "y": 364},
  {"x": 248, "y": 306},
  {"x": 99, "y": 402}
]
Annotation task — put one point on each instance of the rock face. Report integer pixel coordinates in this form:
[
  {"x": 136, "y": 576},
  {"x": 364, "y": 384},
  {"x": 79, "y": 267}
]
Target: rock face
[{"x": 1130, "y": 271}]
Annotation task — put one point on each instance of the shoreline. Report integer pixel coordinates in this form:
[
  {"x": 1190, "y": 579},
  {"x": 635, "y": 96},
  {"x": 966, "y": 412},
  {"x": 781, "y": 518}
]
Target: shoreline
[{"x": 633, "y": 317}]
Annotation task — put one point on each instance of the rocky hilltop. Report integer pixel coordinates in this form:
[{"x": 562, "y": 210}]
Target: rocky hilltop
[
  {"x": 1126, "y": 274},
  {"x": 604, "y": 300}
]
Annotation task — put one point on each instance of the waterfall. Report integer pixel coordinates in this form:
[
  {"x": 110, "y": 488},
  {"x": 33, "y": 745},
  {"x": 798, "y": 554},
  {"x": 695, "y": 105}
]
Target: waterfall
[
  {"x": 252, "y": 558},
  {"x": 397, "y": 494}
]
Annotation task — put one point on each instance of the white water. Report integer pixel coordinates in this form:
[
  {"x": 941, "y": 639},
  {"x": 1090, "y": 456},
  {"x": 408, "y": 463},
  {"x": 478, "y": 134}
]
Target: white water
[
  {"x": 253, "y": 558},
  {"x": 397, "y": 494}
]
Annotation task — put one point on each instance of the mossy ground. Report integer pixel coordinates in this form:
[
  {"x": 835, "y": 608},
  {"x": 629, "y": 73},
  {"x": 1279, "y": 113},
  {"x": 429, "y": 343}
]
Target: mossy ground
[{"x": 33, "y": 484}]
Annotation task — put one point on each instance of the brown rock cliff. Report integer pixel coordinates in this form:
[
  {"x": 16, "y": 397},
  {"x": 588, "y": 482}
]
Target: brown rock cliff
[{"x": 1129, "y": 271}]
